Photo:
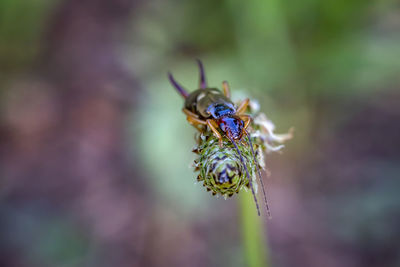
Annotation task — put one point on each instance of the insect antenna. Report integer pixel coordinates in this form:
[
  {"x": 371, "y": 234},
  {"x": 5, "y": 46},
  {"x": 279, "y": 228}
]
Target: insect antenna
[
  {"x": 259, "y": 175},
  {"x": 178, "y": 87},
  {"x": 203, "y": 82},
  {"x": 248, "y": 176}
]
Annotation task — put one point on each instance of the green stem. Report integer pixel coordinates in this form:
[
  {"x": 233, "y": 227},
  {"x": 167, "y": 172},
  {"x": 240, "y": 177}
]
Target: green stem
[{"x": 255, "y": 248}]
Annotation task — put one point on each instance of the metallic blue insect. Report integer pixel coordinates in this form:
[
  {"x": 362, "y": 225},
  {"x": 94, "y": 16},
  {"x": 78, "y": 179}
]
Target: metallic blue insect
[{"x": 213, "y": 108}]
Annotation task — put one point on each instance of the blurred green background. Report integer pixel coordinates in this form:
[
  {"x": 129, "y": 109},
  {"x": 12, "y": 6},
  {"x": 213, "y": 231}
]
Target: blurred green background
[{"x": 95, "y": 152}]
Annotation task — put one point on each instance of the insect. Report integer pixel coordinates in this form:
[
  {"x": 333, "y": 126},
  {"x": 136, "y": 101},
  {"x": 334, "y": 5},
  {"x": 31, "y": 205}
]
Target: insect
[{"x": 213, "y": 108}]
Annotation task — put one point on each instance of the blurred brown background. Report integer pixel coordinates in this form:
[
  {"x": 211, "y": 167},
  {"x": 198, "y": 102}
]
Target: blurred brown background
[{"x": 94, "y": 149}]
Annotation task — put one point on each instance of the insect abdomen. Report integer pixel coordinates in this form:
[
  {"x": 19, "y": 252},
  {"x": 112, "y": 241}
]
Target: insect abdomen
[{"x": 199, "y": 100}]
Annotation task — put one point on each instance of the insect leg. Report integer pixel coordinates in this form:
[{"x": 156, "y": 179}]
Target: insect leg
[
  {"x": 246, "y": 119},
  {"x": 189, "y": 113},
  {"x": 196, "y": 122},
  {"x": 248, "y": 176},
  {"x": 227, "y": 91},
  {"x": 213, "y": 128},
  {"x": 203, "y": 82},
  {"x": 242, "y": 107},
  {"x": 177, "y": 86},
  {"x": 259, "y": 176},
  {"x": 193, "y": 119}
]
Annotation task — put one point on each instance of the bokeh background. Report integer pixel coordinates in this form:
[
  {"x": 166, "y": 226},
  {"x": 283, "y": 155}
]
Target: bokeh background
[{"x": 95, "y": 152}]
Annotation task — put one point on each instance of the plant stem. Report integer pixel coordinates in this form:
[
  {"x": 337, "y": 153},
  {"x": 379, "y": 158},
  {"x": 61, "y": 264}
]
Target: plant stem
[{"x": 255, "y": 248}]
